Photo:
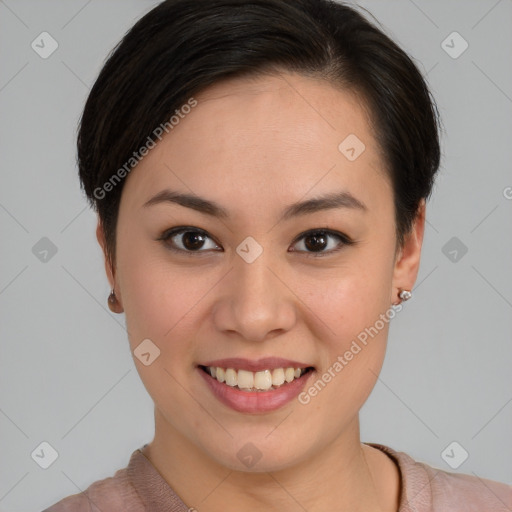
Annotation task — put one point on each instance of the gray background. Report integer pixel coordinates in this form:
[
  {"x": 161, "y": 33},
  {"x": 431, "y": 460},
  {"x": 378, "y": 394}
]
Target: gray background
[{"x": 66, "y": 373}]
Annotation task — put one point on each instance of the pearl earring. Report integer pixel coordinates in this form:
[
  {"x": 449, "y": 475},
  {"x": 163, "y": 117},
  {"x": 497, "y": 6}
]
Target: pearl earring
[
  {"x": 405, "y": 294},
  {"x": 402, "y": 295}
]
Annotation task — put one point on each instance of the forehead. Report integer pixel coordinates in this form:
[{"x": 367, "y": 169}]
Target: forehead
[{"x": 268, "y": 138}]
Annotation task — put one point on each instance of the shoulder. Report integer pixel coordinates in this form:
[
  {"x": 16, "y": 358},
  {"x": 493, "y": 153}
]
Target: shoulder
[
  {"x": 115, "y": 493},
  {"x": 426, "y": 488},
  {"x": 136, "y": 488},
  {"x": 476, "y": 493}
]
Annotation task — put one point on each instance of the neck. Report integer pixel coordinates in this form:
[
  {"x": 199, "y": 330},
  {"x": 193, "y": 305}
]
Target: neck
[{"x": 345, "y": 476}]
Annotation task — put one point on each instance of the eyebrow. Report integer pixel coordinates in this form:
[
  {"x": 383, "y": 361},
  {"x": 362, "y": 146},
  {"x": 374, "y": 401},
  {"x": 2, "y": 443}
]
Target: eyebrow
[{"x": 342, "y": 199}]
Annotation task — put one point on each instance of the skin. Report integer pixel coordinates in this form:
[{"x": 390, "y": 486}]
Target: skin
[{"x": 255, "y": 146}]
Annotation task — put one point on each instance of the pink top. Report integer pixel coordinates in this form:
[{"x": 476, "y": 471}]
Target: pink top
[{"x": 139, "y": 488}]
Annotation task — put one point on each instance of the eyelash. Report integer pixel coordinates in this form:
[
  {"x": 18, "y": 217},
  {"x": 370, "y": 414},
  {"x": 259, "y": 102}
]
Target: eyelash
[{"x": 345, "y": 240}]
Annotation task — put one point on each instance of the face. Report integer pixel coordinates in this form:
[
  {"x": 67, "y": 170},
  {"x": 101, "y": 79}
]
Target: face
[{"x": 236, "y": 278}]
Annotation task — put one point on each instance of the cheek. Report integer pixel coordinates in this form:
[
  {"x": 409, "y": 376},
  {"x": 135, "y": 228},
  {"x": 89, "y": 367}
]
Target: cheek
[
  {"x": 162, "y": 301},
  {"x": 352, "y": 305},
  {"x": 158, "y": 300},
  {"x": 152, "y": 295},
  {"x": 349, "y": 297},
  {"x": 156, "y": 303},
  {"x": 352, "y": 348}
]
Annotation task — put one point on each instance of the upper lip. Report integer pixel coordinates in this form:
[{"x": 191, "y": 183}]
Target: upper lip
[{"x": 265, "y": 363}]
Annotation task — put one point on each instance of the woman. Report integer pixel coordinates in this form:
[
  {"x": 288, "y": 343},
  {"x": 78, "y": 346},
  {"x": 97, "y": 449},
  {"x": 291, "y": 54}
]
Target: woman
[{"x": 260, "y": 171}]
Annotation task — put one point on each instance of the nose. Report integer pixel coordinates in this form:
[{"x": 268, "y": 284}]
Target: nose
[{"x": 256, "y": 302}]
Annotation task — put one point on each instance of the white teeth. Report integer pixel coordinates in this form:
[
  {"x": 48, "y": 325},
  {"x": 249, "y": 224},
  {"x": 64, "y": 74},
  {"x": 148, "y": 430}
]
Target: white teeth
[
  {"x": 262, "y": 380},
  {"x": 255, "y": 381},
  {"x": 231, "y": 377},
  {"x": 277, "y": 377},
  {"x": 245, "y": 379},
  {"x": 221, "y": 374},
  {"x": 289, "y": 374}
]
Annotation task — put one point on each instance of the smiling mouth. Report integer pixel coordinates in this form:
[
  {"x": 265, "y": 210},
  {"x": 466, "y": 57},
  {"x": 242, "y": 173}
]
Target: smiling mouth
[{"x": 264, "y": 380}]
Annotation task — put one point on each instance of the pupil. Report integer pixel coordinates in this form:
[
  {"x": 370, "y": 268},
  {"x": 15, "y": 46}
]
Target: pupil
[
  {"x": 319, "y": 243},
  {"x": 192, "y": 240}
]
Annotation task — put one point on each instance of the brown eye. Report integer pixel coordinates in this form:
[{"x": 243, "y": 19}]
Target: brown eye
[
  {"x": 187, "y": 240},
  {"x": 316, "y": 242},
  {"x": 192, "y": 240}
]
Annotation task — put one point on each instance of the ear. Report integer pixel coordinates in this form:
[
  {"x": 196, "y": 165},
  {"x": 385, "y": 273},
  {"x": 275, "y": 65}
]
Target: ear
[
  {"x": 407, "y": 262},
  {"x": 116, "y": 306},
  {"x": 100, "y": 236}
]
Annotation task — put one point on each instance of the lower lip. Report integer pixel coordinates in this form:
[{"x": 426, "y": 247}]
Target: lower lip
[{"x": 257, "y": 401}]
